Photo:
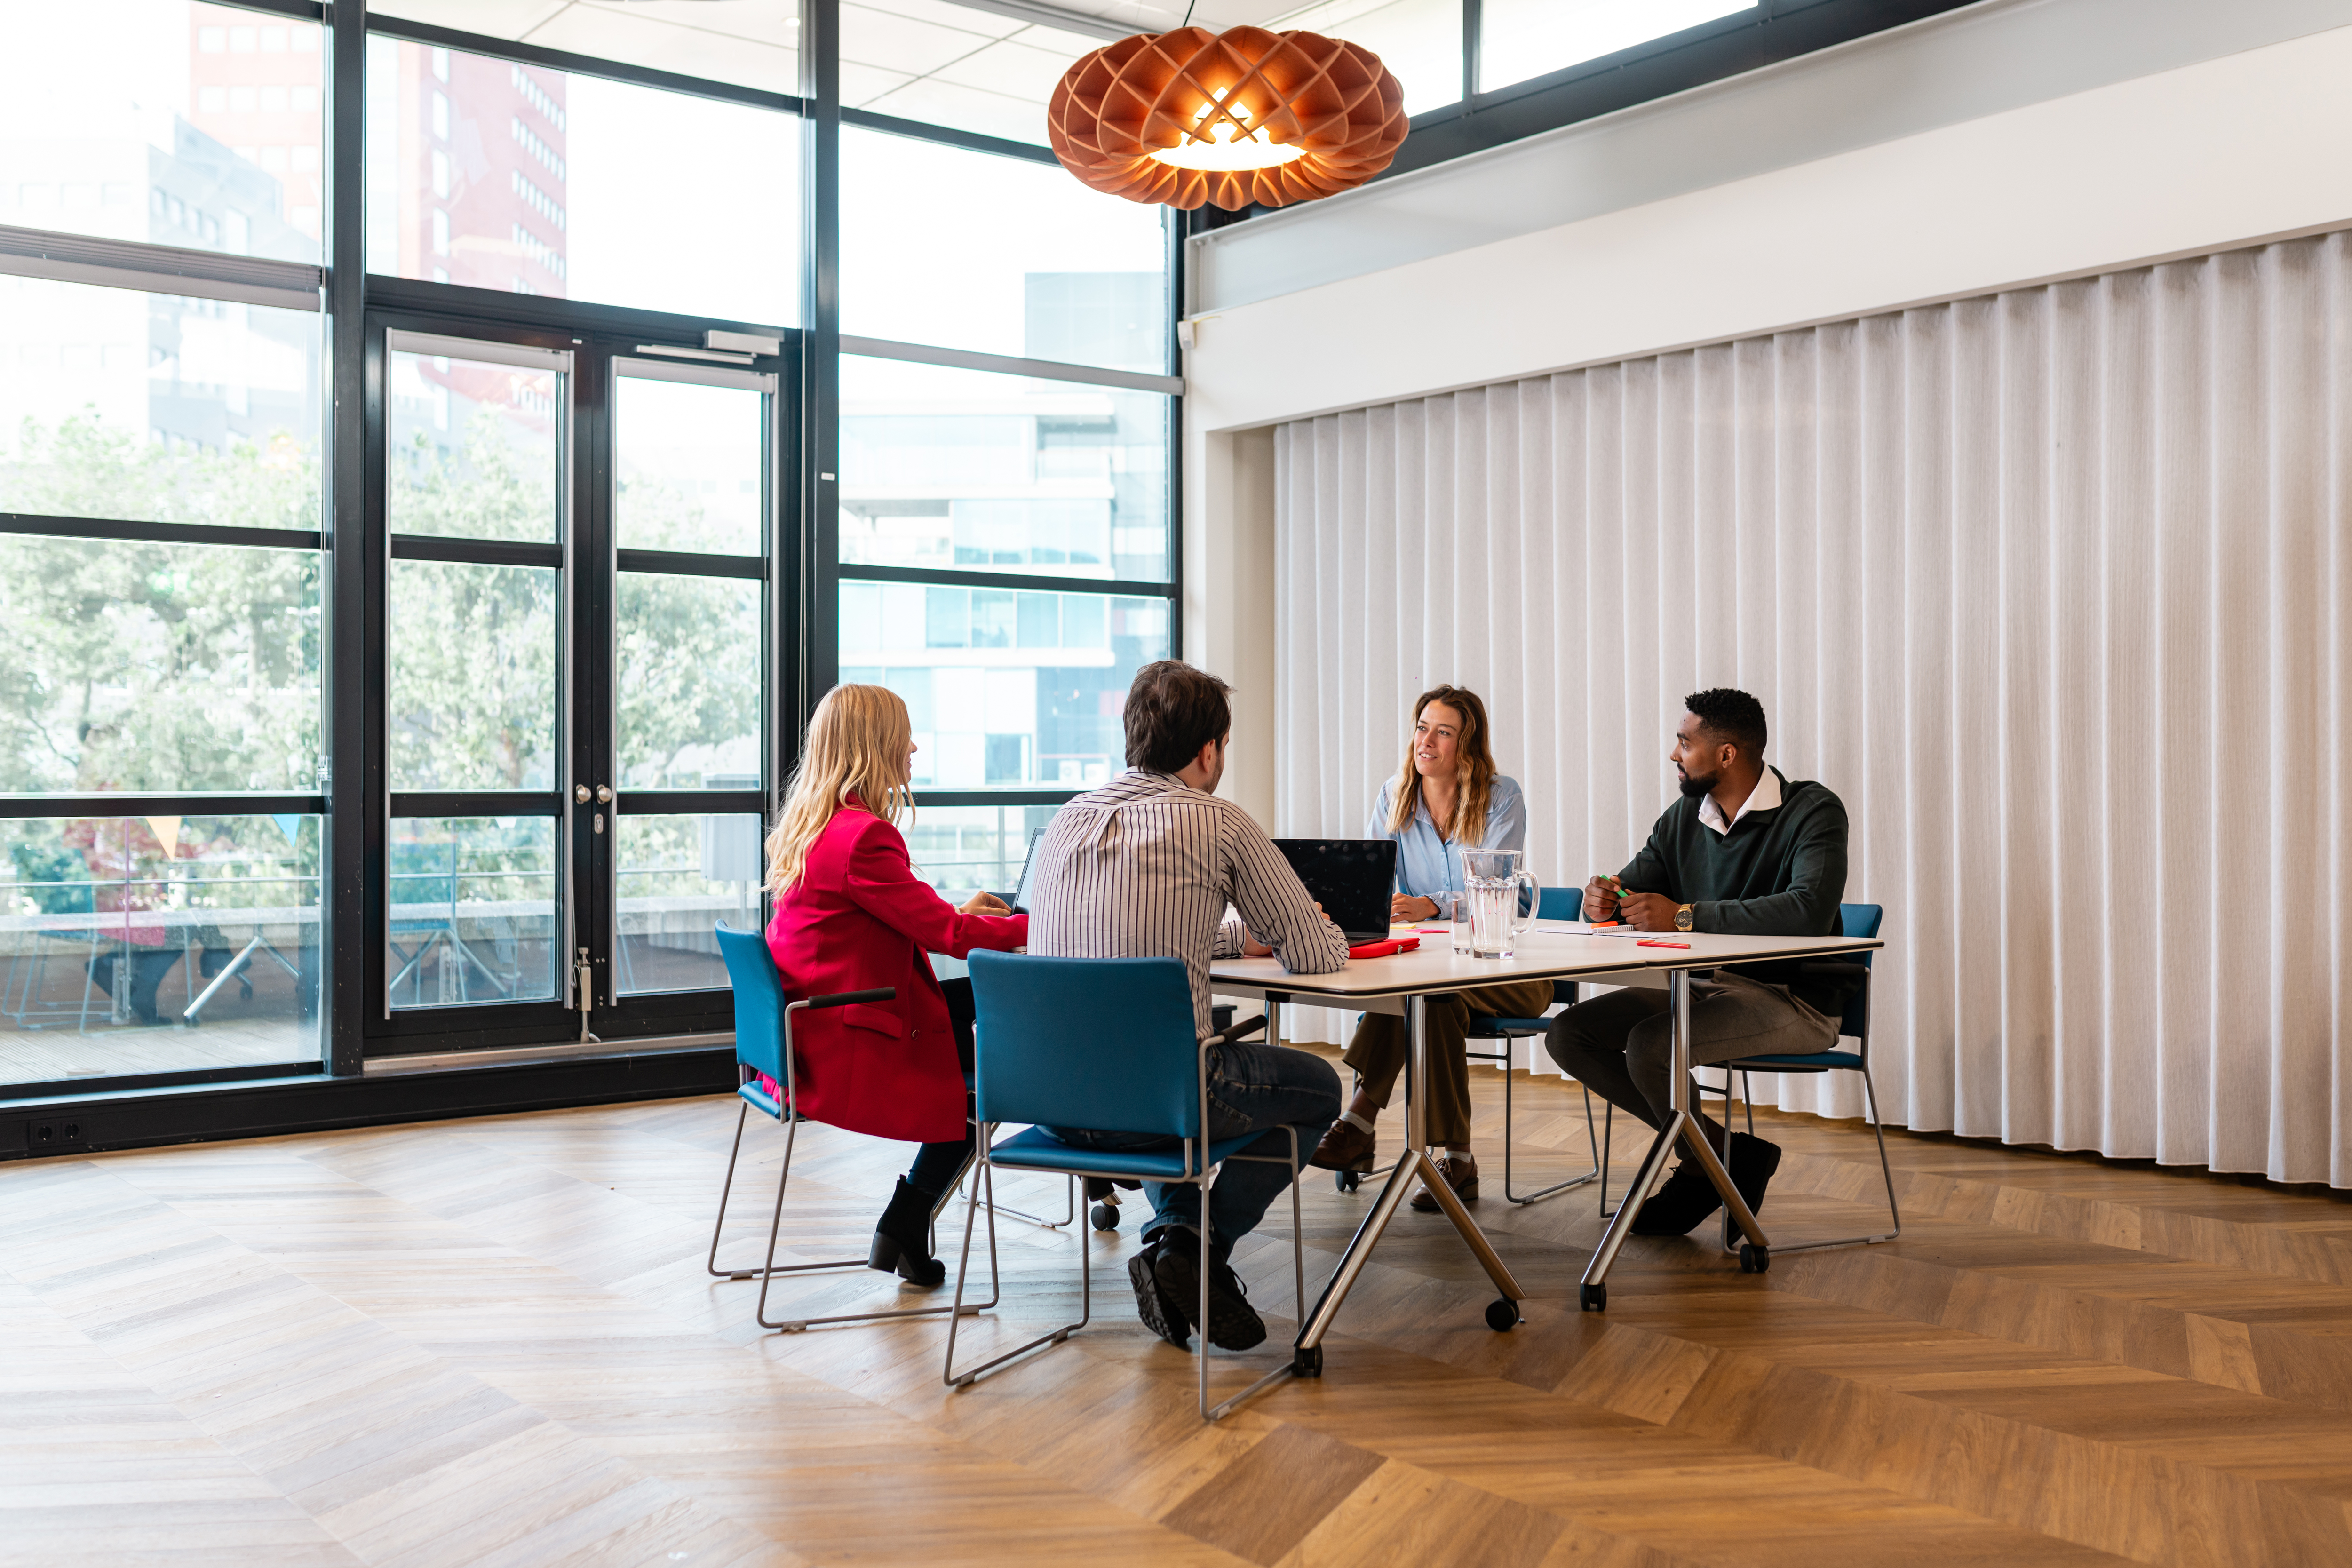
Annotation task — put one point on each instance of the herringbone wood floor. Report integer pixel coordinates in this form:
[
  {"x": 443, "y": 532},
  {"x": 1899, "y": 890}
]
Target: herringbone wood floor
[{"x": 491, "y": 1342}]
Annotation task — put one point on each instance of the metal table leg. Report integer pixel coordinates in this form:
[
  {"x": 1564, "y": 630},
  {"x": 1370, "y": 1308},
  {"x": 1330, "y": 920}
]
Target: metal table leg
[
  {"x": 1592, "y": 1292},
  {"x": 1308, "y": 1353}
]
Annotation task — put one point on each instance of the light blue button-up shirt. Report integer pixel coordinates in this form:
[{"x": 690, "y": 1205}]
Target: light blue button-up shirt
[{"x": 1430, "y": 867}]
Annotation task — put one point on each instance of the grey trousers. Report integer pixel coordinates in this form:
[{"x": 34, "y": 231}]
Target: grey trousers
[{"x": 1621, "y": 1045}]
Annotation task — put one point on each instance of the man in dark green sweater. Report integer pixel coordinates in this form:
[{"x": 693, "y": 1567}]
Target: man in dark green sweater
[{"x": 1743, "y": 851}]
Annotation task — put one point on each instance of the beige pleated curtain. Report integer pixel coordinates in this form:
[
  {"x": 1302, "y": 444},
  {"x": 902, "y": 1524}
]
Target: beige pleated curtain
[{"x": 2051, "y": 586}]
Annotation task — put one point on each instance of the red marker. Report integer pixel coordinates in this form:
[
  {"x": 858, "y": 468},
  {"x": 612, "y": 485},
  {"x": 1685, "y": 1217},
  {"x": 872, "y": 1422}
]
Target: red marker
[{"x": 1662, "y": 944}]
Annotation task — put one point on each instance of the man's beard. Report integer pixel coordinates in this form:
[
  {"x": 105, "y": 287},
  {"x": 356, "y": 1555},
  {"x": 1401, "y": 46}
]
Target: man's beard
[{"x": 1695, "y": 788}]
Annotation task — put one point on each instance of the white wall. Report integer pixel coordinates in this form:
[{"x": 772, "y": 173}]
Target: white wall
[{"x": 2226, "y": 151}]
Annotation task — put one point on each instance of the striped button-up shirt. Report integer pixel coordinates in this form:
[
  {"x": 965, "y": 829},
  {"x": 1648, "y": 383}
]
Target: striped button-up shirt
[{"x": 1147, "y": 867}]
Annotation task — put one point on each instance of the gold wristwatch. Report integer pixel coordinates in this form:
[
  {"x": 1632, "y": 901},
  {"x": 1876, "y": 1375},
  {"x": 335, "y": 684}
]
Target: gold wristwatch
[{"x": 1682, "y": 918}]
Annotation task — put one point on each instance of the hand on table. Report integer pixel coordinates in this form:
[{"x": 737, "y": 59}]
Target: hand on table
[
  {"x": 1648, "y": 911},
  {"x": 1404, "y": 909},
  {"x": 984, "y": 904}
]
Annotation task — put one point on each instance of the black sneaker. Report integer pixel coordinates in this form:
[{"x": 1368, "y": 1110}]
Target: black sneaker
[
  {"x": 1751, "y": 1165},
  {"x": 1234, "y": 1324},
  {"x": 1676, "y": 1208},
  {"x": 1161, "y": 1314}
]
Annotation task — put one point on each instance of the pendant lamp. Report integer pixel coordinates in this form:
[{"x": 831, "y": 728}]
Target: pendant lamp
[{"x": 1246, "y": 115}]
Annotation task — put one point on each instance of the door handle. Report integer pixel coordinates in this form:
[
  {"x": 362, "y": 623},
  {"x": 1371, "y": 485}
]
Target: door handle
[
  {"x": 580, "y": 793},
  {"x": 605, "y": 792}
]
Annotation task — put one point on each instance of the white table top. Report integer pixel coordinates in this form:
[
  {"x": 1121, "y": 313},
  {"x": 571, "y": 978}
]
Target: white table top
[{"x": 1542, "y": 956}]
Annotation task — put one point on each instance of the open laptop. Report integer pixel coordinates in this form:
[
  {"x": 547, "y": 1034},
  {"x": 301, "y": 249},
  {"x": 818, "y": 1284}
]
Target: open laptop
[
  {"x": 1350, "y": 878},
  {"x": 1019, "y": 898}
]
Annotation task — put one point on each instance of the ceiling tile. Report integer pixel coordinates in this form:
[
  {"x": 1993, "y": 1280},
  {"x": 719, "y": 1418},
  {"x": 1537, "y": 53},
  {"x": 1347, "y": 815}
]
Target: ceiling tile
[
  {"x": 776, "y": 23},
  {"x": 491, "y": 18},
  {"x": 1009, "y": 69},
  {"x": 937, "y": 102},
  {"x": 947, "y": 14},
  {"x": 612, "y": 34},
  {"x": 902, "y": 42},
  {"x": 862, "y": 84}
]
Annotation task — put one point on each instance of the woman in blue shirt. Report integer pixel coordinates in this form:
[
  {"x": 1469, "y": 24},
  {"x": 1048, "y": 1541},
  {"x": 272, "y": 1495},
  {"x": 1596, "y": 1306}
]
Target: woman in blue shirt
[{"x": 1447, "y": 797}]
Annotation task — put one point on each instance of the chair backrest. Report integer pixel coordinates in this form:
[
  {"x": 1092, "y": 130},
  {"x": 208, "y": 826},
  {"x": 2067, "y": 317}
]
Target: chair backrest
[
  {"x": 759, "y": 1001},
  {"x": 1560, "y": 904},
  {"x": 1105, "y": 1043},
  {"x": 1859, "y": 920}
]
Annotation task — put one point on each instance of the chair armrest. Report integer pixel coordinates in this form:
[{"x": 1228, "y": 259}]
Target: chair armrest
[
  {"x": 845, "y": 998},
  {"x": 1232, "y": 1032}
]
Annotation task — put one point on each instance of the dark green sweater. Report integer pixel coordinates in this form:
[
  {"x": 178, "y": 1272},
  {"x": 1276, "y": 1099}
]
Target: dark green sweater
[{"x": 1777, "y": 873}]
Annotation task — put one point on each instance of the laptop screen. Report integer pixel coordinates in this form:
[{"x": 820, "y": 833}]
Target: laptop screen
[
  {"x": 1028, "y": 878},
  {"x": 1350, "y": 878}
]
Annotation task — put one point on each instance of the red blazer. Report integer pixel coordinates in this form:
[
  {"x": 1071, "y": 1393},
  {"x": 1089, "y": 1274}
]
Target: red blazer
[{"x": 857, "y": 919}]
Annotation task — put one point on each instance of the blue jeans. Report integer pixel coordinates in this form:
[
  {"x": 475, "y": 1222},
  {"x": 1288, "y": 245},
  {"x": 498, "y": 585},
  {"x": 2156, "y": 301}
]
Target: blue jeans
[{"x": 1251, "y": 1089}]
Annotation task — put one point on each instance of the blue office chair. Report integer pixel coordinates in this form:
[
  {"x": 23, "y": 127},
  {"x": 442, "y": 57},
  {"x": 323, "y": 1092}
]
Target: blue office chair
[
  {"x": 1108, "y": 1043},
  {"x": 763, "y": 1044},
  {"x": 1857, "y": 920},
  {"x": 1552, "y": 904}
]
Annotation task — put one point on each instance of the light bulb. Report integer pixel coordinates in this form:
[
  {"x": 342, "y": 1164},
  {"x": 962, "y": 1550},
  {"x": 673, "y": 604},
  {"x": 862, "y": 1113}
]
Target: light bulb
[{"x": 1218, "y": 151}]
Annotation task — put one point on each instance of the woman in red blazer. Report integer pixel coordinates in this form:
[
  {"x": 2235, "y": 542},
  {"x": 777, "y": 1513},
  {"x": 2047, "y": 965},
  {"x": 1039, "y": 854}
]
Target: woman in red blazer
[{"x": 852, "y": 916}]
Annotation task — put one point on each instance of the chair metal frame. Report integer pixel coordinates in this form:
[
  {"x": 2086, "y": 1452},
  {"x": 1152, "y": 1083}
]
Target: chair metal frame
[
  {"x": 1198, "y": 1171},
  {"x": 1509, "y": 1030},
  {"x": 783, "y": 1111},
  {"x": 1857, "y": 1011}
]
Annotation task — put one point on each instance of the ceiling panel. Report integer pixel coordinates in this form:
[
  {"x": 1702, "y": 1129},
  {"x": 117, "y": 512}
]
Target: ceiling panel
[
  {"x": 610, "y": 33},
  {"x": 492, "y": 18},
  {"x": 904, "y": 44},
  {"x": 939, "y": 102}
]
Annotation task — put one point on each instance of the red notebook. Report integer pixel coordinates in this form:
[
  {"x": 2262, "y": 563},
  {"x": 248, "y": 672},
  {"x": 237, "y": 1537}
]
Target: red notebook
[{"x": 1383, "y": 949}]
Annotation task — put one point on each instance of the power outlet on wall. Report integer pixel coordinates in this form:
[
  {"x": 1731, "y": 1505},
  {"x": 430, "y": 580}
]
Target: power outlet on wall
[{"x": 45, "y": 1137}]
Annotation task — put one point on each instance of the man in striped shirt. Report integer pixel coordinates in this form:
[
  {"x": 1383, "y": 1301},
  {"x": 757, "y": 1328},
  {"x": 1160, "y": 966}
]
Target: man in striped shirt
[{"x": 1154, "y": 865}]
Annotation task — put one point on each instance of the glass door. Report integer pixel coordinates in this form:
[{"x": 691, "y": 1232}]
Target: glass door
[
  {"x": 579, "y": 636},
  {"x": 690, "y": 719}
]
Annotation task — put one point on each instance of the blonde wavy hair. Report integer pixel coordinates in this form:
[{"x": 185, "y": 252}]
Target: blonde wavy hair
[
  {"x": 1474, "y": 769},
  {"x": 856, "y": 745}
]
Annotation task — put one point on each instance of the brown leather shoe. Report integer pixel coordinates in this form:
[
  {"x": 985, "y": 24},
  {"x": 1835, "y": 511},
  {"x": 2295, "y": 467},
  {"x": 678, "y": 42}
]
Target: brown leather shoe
[
  {"x": 1346, "y": 1147},
  {"x": 1461, "y": 1173}
]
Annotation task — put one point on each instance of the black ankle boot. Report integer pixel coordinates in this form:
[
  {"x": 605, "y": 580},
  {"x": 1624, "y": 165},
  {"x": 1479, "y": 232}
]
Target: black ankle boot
[{"x": 902, "y": 1239}]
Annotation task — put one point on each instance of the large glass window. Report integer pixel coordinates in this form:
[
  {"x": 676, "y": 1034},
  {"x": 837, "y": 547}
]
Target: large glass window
[
  {"x": 974, "y": 470},
  {"x": 157, "y": 667},
  {"x": 157, "y": 407},
  {"x": 1076, "y": 277},
  {"x": 1521, "y": 39},
  {"x": 1005, "y": 688},
  {"x": 501, "y": 175},
  {"x": 138, "y": 945},
  {"x": 1420, "y": 41},
  {"x": 187, "y": 125}
]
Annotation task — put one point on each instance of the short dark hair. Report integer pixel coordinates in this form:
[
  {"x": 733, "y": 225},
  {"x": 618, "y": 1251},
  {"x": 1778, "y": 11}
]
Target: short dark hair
[
  {"x": 1732, "y": 716},
  {"x": 1173, "y": 711}
]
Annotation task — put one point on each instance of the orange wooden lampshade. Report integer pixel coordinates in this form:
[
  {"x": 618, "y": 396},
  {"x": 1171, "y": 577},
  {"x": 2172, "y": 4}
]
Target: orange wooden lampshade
[{"x": 1233, "y": 118}]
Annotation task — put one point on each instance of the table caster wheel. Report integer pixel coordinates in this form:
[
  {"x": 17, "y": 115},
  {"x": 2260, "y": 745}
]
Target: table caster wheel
[
  {"x": 1102, "y": 1216},
  {"x": 1593, "y": 1298},
  {"x": 1502, "y": 1314},
  {"x": 1754, "y": 1259},
  {"x": 1347, "y": 1180},
  {"x": 1306, "y": 1363}
]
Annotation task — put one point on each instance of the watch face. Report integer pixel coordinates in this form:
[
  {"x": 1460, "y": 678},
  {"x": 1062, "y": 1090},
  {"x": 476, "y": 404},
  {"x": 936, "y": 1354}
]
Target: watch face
[{"x": 1682, "y": 919}]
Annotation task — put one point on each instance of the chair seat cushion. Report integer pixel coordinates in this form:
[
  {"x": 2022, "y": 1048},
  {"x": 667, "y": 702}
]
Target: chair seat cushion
[
  {"x": 1485, "y": 1028},
  {"x": 1809, "y": 1061},
  {"x": 1035, "y": 1148}
]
